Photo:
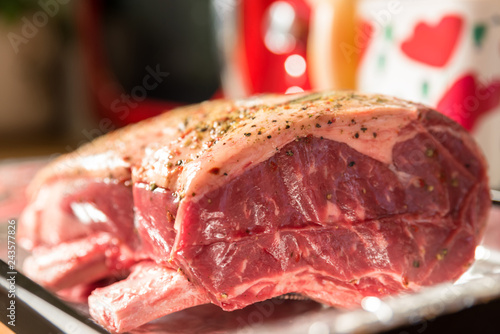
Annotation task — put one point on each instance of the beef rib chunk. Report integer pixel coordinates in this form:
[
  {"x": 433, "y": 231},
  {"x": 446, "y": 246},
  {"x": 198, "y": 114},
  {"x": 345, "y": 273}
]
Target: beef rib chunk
[{"x": 335, "y": 196}]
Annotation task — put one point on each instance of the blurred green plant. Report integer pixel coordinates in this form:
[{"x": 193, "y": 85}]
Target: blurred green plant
[{"x": 12, "y": 10}]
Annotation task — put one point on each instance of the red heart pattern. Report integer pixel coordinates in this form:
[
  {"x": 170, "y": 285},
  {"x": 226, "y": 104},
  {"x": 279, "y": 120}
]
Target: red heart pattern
[
  {"x": 434, "y": 45},
  {"x": 468, "y": 99}
]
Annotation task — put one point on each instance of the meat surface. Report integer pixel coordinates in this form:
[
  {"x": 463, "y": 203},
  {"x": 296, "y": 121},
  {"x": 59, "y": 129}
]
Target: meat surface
[{"x": 335, "y": 195}]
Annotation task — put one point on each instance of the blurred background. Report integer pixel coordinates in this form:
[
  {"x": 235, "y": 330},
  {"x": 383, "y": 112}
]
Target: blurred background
[{"x": 73, "y": 70}]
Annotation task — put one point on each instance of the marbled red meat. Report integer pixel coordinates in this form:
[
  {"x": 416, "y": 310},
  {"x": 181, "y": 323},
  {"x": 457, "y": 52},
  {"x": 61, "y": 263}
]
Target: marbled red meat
[{"x": 336, "y": 196}]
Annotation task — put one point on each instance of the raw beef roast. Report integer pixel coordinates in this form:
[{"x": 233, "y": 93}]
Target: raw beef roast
[{"x": 335, "y": 196}]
